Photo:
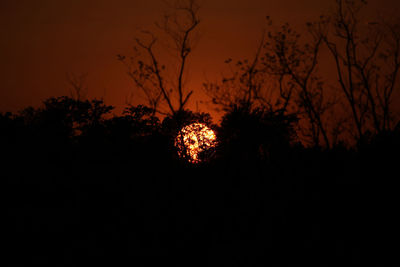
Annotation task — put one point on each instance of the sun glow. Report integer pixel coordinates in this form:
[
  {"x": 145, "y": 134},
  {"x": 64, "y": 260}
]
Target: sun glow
[{"x": 194, "y": 141}]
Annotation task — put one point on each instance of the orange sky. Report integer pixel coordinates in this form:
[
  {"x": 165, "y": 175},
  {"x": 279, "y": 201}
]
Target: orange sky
[{"x": 42, "y": 40}]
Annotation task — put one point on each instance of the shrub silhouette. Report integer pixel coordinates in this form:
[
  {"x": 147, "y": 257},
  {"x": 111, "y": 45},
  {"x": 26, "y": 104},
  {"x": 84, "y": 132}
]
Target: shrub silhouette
[{"x": 255, "y": 133}]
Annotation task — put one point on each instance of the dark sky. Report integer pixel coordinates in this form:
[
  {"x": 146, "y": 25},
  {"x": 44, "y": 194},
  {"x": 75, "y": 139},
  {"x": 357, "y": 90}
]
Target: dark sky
[{"x": 42, "y": 40}]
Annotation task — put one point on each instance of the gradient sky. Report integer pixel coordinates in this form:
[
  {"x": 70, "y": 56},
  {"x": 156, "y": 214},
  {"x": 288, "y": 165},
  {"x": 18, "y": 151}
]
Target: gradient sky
[{"x": 43, "y": 40}]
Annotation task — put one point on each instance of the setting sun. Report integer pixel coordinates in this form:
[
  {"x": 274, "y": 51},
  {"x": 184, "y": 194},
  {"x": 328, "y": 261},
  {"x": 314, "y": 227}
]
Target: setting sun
[{"x": 194, "y": 139}]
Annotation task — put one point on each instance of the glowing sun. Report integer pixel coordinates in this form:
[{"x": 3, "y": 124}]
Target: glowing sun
[{"x": 194, "y": 142}]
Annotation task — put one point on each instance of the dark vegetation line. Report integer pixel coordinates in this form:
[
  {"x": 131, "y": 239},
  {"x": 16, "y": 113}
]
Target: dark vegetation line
[{"x": 80, "y": 187}]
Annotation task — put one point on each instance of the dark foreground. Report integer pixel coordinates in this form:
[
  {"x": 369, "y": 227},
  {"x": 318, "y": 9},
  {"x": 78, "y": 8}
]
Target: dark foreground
[
  {"x": 313, "y": 208},
  {"x": 105, "y": 200}
]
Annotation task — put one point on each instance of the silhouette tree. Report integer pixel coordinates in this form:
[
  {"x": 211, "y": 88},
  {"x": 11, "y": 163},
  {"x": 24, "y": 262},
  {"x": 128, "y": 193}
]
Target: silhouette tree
[
  {"x": 142, "y": 118},
  {"x": 367, "y": 61},
  {"x": 64, "y": 117},
  {"x": 136, "y": 121},
  {"x": 254, "y": 134},
  {"x": 248, "y": 84},
  {"x": 288, "y": 59},
  {"x": 78, "y": 87},
  {"x": 281, "y": 77},
  {"x": 164, "y": 84}
]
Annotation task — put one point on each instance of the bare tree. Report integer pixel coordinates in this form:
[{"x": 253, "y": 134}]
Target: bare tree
[
  {"x": 367, "y": 61},
  {"x": 248, "y": 84},
  {"x": 286, "y": 58},
  {"x": 240, "y": 86},
  {"x": 164, "y": 84},
  {"x": 78, "y": 87},
  {"x": 280, "y": 78}
]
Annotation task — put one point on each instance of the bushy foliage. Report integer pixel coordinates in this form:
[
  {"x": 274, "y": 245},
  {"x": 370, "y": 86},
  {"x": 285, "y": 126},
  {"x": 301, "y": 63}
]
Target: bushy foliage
[
  {"x": 258, "y": 133},
  {"x": 65, "y": 117}
]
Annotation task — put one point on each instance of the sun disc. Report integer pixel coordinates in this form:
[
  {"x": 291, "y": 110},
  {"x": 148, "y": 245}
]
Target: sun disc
[{"x": 194, "y": 140}]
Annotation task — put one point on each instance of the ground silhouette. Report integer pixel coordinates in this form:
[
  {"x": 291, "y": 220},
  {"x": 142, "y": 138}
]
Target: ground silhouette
[{"x": 82, "y": 187}]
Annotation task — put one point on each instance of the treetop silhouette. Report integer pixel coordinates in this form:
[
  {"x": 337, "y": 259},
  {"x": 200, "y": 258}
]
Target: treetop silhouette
[{"x": 164, "y": 83}]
